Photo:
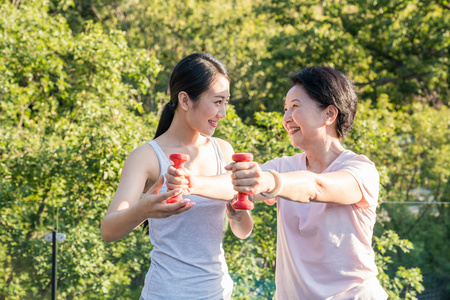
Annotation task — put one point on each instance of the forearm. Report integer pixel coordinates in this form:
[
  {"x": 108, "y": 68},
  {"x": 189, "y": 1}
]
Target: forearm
[
  {"x": 118, "y": 225},
  {"x": 296, "y": 186},
  {"x": 299, "y": 186},
  {"x": 303, "y": 186},
  {"x": 217, "y": 187},
  {"x": 243, "y": 226}
]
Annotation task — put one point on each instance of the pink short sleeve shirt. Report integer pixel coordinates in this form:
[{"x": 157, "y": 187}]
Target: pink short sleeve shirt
[{"x": 324, "y": 251}]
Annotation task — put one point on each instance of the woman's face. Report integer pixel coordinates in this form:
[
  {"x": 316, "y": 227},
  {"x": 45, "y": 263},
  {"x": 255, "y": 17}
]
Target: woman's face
[
  {"x": 303, "y": 119},
  {"x": 211, "y": 107}
]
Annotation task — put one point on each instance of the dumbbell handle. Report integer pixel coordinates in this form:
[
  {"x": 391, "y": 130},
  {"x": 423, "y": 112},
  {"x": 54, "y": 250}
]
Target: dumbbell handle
[
  {"x": 178, "y": 162},
  {"x": 243, "y": 203}
]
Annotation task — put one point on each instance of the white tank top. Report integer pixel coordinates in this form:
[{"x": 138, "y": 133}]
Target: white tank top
[{"x": 187, "y": 260}]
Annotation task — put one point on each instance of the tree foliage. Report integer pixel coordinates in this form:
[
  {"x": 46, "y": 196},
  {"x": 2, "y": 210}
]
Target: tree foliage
[
  {"x": 406, "y": 281},
  {"x": 68, "y": 122},
  {"x": 399, "y": 48},
  {"x": 81, "y": 83}
]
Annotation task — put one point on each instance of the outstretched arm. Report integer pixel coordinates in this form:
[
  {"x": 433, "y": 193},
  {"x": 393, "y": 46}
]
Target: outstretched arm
[
  {"x": 216, "y": 187},
  {"x": 338, "y": 187}
]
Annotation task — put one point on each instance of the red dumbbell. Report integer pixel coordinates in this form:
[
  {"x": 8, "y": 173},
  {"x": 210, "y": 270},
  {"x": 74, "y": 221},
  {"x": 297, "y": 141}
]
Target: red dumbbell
[
  {"x": 243, "y": 203},
  {"x": 178, "y": 162}
]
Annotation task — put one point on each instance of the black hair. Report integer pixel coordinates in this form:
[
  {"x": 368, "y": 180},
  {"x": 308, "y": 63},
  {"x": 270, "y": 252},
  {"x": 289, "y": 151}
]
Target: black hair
[
  {"x": 327, "y": 86},
  {"x": 194, "y": 75}
]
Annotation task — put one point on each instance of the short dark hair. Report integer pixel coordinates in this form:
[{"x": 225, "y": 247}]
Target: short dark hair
[
  {"x": 327, "y": 86},
  {"x": 194, "y": 75}
]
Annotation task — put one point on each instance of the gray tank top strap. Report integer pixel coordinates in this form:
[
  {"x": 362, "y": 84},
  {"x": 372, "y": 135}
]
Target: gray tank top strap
[
  {"x": 164, "y": 162},
  {"x": 219, "y": 156}
]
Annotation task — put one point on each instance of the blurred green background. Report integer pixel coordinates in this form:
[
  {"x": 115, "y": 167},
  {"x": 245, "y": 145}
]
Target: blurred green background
[{"x": 82, "y": 84}]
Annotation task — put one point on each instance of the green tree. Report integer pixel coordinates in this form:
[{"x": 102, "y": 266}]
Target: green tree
[
  {"x": 400, "y": 48},
  {"x": 404, "y": 283},
  {"x": 81, "y": 83},
  {"x": 67, "y": 109}
]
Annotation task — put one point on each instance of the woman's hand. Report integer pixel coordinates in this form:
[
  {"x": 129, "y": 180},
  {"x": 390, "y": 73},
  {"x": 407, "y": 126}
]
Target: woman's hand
[
  {"x": 153, "y": 205},
  {"x": 248, "y": 178},
  {"x": 241, "y": 222},
  {"x": 125, "y": 216},
  {"x": 181, "y": 179},
  {"x": 233, "y": 214}
]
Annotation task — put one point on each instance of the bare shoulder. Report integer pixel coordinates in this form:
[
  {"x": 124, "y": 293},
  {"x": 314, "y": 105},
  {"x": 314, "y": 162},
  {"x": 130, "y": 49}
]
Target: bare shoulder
[
  {"x": 144, "y": 152},
  {"x": 226, "y": 148},
  {"x": 139, "y": 170},
  {"x": 143, "y": 160}
]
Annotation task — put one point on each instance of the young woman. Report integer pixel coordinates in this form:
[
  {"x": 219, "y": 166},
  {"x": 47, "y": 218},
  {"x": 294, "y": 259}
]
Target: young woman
[{"x": 187, "y": 260}]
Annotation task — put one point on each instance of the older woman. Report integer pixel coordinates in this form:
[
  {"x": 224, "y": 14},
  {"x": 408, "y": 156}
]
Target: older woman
[{"x": 326, "y": 196}]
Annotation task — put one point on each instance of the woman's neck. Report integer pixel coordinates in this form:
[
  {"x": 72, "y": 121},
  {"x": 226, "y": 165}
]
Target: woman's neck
[
  {"x": 319, "y": 158},
  {"x": 180, "y": 135}
]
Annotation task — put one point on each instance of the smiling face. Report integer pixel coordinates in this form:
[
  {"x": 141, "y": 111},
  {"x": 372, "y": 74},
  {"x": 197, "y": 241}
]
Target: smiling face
[
  {"x": 211, "y": 107},
  {"x": 303, "y": 119}
]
